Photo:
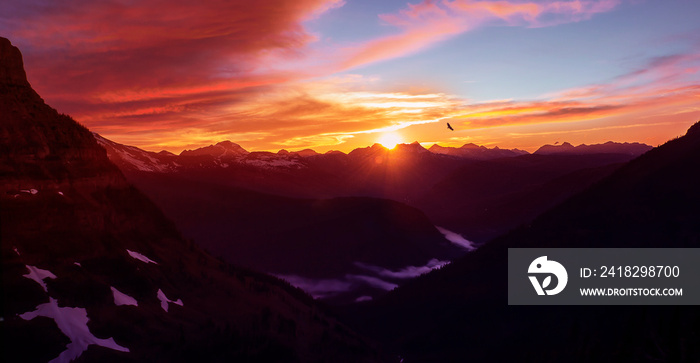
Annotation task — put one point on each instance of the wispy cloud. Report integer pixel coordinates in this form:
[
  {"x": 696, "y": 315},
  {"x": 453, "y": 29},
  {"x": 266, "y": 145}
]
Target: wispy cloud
[
  {"x": 182, "y": 74},
  {"x": 662, "y": 86},
  {"x": 155, "y": 64},
  {"x": 326, "y": 288},
  {"x": 376, "y": 277},
  {"x": 457, "y": 239},
  {"x": 318, "y": 288},
  {"x": 406, "y": 272},
  {"x": 669, "y": 82},
  {"x": 374, "y": 282},
  {"x": 426, "y": 23}
]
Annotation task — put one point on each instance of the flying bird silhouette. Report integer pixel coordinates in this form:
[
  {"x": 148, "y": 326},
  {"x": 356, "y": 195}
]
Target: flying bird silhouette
[{"x": 450, "y": 127}]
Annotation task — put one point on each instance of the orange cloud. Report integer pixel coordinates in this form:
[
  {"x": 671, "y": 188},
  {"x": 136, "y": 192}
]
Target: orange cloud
[
  {"x": 182, "y": 74},
  {"x": 153, "y": 51}
]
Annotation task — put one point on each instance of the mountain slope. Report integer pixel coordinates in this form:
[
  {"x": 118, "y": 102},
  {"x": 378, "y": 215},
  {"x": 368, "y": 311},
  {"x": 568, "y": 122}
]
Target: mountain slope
[
  {"x": 92, "y": 269},
  {"x": 351, "y": 245},
  {"x": 477, "y": 192},
  {"x": 485, "y": 199},
  {"x": 460, "y": 313},
  {"x": 316, "y": 239}
]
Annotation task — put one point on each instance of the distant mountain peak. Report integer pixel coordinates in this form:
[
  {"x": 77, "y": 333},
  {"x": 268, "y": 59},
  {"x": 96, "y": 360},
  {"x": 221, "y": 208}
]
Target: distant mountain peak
[
  {"x": 334, "y": 152},
  {"x": 221, "y": 149},
  {"x": 228, "y": 144},
  {"x": 306, "y": 152},
  {"x": 412, "y": 147},
  {"x": 609, "y": 147},
  {"x": 474, "y": 151},
  {"x": 472, "y": 145},
  {"x": 377, "y": 145}
]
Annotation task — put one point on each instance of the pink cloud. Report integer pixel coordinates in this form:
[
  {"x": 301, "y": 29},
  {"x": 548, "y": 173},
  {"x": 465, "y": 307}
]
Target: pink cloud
[
  {"x": 107, "y": 51},
  {"x": 174, "y": 74}
]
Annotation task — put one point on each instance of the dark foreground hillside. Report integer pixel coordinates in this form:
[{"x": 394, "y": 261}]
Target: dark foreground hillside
[
  {"x": 92, "y": 269},
  {"x": 460, "y": 313}
]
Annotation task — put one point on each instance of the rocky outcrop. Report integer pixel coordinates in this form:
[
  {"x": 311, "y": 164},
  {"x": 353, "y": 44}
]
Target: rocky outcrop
[
  {"x": 11, "y": 65},
  {"x": 39, "y": 147}
]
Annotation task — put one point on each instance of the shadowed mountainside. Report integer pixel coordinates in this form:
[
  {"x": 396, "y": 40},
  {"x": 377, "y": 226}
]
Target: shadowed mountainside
[
  {"x": 486, "y": 199},
  {"x": 653, "y": 201},
  {"x": 102, "y": 266},
  {"x": 309, "y": 238}
]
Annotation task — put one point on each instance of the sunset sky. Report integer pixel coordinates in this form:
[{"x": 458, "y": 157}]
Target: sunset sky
[{"x": 333, "y": 74}]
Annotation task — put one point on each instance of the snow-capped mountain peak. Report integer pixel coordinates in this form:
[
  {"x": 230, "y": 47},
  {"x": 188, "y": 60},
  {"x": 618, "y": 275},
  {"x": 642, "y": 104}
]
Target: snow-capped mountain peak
[{"x": 223, "y": 149}]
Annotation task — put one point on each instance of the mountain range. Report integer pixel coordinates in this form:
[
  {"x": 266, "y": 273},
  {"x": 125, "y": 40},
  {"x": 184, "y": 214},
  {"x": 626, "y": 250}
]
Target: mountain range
[
  {"x": 475, "y": 191},
  {"x": 337, "y": 224}
]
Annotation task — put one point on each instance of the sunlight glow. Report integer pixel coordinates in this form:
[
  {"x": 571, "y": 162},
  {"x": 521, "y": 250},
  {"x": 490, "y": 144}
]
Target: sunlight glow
[{"x": 390, "y": 140}]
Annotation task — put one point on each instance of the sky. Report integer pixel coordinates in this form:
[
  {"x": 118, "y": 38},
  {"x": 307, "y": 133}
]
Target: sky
[{"x": 342, "y": 74}]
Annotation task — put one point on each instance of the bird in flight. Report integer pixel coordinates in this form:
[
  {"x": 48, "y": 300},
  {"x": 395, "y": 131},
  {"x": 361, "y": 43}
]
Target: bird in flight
[{"x": 450, "y": 127}]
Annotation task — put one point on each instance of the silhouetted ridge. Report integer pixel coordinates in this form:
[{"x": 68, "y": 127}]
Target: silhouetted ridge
[
  {"x": 652, "y": 201},
  {"x": 694, "y": 131},
  {"x": 68, "y": 215},
  {"x": 609, "y": 147},
  {"x": 38, "y": 142},
  {"x": 11, "y": 65}
]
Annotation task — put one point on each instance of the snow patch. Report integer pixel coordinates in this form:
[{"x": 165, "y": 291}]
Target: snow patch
[
  {"x": 140, "y": 257},
  {"x": 363, "y": 298},
  {"x": 272, "y": 162},
  {"x": 121, "y": 298},
  {"x": 29, "y": 191},
  {"x": 60, "y": 193},
  {"x": 138, "y": 164},
  {"x": 73, "y": 323},
  {"x": 39, "y": 275},
  {"x": 77, "y": 264},
  {"x": 164, "y": 300},
  {"x": 16, "y": 251},
  {"x": 324, "y": 288},
  {"x": 457, "y": 239}
]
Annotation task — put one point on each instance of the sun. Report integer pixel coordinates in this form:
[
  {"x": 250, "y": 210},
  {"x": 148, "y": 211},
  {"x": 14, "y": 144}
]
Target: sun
[{"x": 390, "y": 140}]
